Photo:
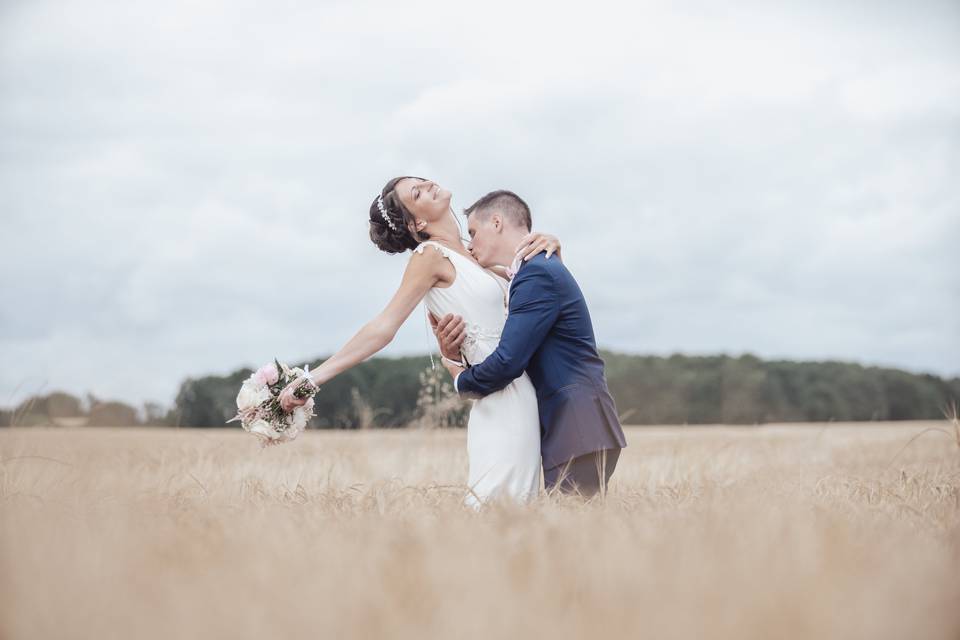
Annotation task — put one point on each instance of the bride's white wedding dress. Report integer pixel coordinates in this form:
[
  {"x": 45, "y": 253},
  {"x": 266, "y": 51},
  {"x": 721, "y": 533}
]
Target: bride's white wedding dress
[{"x": 503, "y": 432}]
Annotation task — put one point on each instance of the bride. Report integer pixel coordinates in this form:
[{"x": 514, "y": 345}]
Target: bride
[{"x": 503, "y": 431}]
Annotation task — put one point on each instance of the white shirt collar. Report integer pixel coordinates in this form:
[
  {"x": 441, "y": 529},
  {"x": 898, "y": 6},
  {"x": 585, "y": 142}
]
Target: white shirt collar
[{"x": 514, "y": 266}]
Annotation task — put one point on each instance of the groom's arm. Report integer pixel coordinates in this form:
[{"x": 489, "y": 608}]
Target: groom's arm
[{"x": 534, "y": 308}]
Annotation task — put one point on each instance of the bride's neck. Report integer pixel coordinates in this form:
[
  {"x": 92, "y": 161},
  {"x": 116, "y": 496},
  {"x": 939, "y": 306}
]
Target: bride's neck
[{"x": 445, "y": 232}]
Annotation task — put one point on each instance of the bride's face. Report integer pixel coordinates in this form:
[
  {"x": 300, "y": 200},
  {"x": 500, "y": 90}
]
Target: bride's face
[{"x": 425, "y": 199}]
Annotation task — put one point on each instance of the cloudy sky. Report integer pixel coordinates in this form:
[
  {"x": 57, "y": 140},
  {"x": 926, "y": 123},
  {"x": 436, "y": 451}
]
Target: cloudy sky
[{"x": 184, "y": 185}]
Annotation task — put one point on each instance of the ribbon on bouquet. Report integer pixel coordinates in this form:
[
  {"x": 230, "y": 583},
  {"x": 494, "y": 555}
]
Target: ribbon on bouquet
[{"x": 306, "y": 376}]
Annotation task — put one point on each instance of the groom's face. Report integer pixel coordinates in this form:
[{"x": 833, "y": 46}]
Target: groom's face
[{"x": 485, "y": 235}]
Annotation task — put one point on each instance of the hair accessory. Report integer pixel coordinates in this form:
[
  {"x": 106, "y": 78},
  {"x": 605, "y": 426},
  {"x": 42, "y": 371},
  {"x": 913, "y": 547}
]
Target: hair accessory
[{"x": 383, "y": 212}]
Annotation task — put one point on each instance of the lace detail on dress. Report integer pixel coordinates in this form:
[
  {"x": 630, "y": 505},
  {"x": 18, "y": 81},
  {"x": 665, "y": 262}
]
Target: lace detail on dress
[
  {"x": 436, "y": 245},
  {"x": 476, "y": 332},
  {"x": 474, "y": 336}
]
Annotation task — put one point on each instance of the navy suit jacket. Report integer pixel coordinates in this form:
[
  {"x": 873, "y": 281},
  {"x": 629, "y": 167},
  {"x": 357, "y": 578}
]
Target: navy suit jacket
[{"x": 549, "y": 334}]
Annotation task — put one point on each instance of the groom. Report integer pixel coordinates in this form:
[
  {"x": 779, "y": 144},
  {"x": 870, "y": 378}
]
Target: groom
[{"x": 548, "y": 334}]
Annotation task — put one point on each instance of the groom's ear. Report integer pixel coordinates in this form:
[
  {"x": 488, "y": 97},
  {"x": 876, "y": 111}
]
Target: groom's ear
[{"x": 497, "y": 221}]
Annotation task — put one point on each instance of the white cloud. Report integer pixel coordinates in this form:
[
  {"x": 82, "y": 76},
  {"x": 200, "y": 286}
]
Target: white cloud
[{"x": 773, "y": 180}]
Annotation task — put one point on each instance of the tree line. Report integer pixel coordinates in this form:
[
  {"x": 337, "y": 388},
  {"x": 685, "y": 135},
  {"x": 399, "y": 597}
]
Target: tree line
[{"x": 679, "y": 389}]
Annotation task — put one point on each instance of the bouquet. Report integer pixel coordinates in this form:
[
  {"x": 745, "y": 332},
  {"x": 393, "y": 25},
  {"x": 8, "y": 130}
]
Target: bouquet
[{"x": 258, "y": 403}]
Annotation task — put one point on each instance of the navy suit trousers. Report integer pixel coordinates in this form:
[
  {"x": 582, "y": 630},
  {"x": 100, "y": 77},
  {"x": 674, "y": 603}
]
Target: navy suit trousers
[{"x": 583, "y": 475}]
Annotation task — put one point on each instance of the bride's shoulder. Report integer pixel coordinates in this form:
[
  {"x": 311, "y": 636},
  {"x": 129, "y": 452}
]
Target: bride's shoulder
[
  {"x": 431, "y": 261},
  {"x": 440, "y": 250}
]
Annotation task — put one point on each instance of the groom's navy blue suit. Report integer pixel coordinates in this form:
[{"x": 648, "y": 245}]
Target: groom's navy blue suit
[{"x": 548, "y": 334}]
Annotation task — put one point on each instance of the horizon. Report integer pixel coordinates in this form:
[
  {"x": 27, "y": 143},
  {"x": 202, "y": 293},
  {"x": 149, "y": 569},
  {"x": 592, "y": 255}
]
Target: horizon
[{"x": 139, "y": 404}]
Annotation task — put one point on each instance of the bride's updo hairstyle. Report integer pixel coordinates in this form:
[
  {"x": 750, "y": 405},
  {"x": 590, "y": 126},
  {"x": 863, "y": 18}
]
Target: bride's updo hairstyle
[{"x": 390, "y": 225}]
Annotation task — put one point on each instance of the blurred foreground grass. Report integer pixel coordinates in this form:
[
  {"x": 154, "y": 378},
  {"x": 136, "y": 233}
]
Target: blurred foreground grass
[{"x": 814, "y": 531}]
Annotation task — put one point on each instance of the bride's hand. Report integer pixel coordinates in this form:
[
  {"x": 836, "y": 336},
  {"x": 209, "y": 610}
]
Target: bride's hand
[
  {"x": 534, "y": 243},
  {"x": 288, "y": 401}
]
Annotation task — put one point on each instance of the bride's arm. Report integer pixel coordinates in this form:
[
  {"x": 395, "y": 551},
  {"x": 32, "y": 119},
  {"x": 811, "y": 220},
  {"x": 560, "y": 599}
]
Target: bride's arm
[
  {"x": 423, "y": 271},
  {"x": 532, "y": 244},
  {"x": 536, "y": 242}
]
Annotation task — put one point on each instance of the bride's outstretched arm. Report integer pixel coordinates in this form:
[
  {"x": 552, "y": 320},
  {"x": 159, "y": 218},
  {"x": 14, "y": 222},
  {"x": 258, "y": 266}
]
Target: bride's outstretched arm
[{"x": 423, "y": 271}]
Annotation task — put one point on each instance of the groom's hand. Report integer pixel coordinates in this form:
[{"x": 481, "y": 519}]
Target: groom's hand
[
  {"x": 450, "y": 331},
  {"x": 453, "y": 369}
]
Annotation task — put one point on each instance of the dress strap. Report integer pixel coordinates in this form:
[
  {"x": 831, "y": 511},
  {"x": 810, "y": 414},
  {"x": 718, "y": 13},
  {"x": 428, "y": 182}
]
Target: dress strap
[{"x": 433, "y": 243}]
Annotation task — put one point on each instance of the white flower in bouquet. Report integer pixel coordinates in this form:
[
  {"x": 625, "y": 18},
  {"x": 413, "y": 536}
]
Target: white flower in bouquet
[
  {"x": 258, "y": 403},
  {"x": 252, "y": 395}
]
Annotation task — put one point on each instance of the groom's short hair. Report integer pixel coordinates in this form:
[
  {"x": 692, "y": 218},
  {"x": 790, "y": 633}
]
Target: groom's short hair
[{"x": 507, "y": 203}]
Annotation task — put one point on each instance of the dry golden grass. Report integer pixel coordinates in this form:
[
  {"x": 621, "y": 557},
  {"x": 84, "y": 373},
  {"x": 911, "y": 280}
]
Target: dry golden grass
[{"x": 819, "y": 531}]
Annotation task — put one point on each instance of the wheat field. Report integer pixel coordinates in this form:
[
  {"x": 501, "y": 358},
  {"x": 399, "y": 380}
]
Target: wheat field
[{"x": 813, "y": 531}]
